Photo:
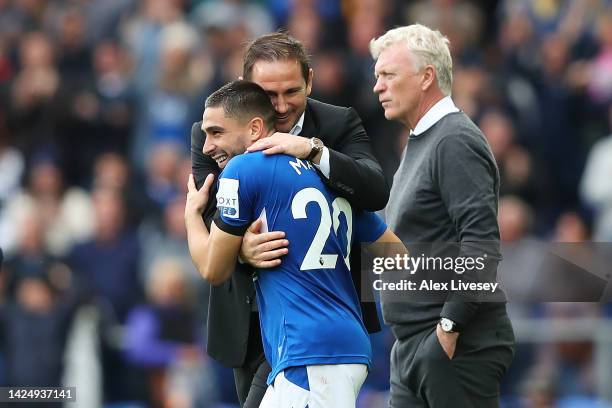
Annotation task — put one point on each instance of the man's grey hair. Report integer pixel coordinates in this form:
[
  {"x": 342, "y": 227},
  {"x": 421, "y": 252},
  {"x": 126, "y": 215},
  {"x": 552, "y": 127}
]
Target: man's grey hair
[{"x": 427, "y": 47}]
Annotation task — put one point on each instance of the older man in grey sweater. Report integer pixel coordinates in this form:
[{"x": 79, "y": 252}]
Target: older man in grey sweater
[{"x": 452, "y": 352}]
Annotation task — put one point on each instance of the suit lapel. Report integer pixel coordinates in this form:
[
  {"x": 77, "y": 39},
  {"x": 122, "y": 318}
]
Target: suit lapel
[{"x": 311, "y": 124}]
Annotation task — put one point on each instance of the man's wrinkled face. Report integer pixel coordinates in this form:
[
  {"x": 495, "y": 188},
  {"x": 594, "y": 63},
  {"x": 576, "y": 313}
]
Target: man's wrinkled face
[
  {"x": 398, "y": 83},
  {"x": 226, "y": 137},
  {"x": 283, "y": 82}
]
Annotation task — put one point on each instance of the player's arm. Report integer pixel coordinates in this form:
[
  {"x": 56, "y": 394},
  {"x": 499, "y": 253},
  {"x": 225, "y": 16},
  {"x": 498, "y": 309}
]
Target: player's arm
[
  {"x": 214, "y": 254},
  {"x": 387, "y": 245},
  {"x": 372, "y": 231},
  {"x": 388, "y": 237}
]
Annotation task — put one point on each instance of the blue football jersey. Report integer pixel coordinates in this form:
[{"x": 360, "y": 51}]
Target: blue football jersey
[{"x": 308, "y": 306}]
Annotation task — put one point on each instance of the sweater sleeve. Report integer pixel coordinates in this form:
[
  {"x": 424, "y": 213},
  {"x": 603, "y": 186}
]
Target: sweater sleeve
[{"x": 468, "y": 182}]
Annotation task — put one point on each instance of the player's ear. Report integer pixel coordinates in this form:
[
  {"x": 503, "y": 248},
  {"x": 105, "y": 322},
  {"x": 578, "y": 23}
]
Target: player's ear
[{"x": 256, "y": 126}]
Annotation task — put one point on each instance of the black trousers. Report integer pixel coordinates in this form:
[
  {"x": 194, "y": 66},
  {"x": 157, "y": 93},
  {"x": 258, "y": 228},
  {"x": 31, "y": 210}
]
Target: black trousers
[
  {"x": 251, "y": 378},
  {"x": 423, "y": 376}
]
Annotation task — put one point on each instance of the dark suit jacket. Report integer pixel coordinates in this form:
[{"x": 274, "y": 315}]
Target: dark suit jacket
[{"x": 354, "y": 174}]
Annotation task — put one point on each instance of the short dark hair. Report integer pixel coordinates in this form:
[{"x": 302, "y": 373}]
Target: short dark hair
[
  {"x": 243, "y": 100},
  {"x": 275, "y": 47}
]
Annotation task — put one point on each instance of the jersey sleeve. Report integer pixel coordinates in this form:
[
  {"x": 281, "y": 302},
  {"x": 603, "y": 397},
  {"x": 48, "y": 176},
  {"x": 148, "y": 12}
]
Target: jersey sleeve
[
  {"x": 235, "y": 197},
  {"x": 368, "y": 227}
]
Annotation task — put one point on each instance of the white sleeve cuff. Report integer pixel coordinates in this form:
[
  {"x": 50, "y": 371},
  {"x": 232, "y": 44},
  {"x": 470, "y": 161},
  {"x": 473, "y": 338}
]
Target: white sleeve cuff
[{"x": 324, "y": 162}]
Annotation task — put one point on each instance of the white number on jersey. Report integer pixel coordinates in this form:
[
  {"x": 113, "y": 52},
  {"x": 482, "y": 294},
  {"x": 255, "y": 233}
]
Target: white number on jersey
[{"x": 315, "y": 258}]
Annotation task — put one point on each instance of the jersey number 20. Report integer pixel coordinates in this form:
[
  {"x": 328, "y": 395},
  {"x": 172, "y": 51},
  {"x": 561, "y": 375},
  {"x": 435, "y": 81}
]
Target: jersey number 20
[{"x": 315, "y": 258}]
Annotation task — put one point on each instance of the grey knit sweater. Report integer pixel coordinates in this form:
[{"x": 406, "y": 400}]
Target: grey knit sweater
[{"x": 445, "y": 190}]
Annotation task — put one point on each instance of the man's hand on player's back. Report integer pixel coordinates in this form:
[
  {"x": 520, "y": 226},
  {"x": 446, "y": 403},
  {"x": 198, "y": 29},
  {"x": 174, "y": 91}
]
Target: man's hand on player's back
[{"x": 278, "y": 143}]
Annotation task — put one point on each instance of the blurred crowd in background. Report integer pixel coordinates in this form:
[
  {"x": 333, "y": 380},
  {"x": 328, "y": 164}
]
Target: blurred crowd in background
[{"x": 97, "y": 98}]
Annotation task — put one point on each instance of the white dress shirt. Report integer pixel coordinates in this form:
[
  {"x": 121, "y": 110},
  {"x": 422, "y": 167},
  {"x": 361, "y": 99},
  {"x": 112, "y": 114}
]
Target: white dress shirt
[{"x": 442, "y": 108}]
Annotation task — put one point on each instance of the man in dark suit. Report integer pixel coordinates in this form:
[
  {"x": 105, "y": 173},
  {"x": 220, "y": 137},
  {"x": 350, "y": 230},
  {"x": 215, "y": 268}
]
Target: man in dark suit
[{"x": 334, "y": 139}]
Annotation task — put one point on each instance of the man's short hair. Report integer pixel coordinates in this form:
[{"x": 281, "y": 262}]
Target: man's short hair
[
  {"x": 243, "y": 100},
  {"x": 427, "y": 46},
  {"x": 275, "y": 47}
]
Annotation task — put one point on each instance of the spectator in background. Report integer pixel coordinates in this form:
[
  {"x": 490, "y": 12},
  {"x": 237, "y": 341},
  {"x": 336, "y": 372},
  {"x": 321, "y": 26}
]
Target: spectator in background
[
  {"x": 460, "y": 20},
  {"x": 366, "y": 20},
  {"x": 66, "y": 211},
  {"x": 98, "y": 112},
  {"x": 167, "y": 238},
  {"x": 183, "y": 170},
  {"x": 110, "y": 84},
  {"x": 522, "y": 253},
  {"x": 159, "y": 180},
  {"x": 164, "y": 337},
  {"x": 515, "y": 164},
  {"x": 104, "y": 16},
  {"x": 225, "y": 25},
  {"x": 331, "y": 85},
  {"x": 142, "y": 35},
  {"x": 33, "y": 91},
  {"x": 33, "y": 331},
  {"x": 110, "y": 257},
  {"x": 515, "y": 219},
  {"x": 570, "y": 227},
  {"x": 255, "y": 18},
  {"x": 307, "y": 26},
  {"x": 99, "y": 264},
  {"x": 329, "y": 10},
  {"x": 30, "y": 258},
  {"x": 73, "y": 51},
  {"x": 111, "y": 170},
  {"x": 166, "y": 106}
]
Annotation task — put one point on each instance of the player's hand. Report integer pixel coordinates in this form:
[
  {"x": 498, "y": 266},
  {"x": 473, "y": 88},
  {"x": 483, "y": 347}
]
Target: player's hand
[
  {"x": 448, "y": 341},
  {"x": 263, "y": 249},
  {"x": 197, "y": 199},
  {"x": 296, "y": 146}
]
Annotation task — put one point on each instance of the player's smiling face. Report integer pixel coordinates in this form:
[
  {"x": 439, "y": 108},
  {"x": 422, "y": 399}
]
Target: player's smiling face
[
  {"x": 226, "y": 137},
  {"x": 287, "y": 88}
]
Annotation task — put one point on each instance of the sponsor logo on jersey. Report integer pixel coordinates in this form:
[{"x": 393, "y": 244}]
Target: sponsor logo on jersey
[{"x": 227, "y": 198}]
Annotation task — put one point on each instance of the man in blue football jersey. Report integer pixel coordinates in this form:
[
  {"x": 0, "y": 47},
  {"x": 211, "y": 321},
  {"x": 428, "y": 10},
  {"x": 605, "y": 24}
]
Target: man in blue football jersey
[{"x": 314, "y": 337}]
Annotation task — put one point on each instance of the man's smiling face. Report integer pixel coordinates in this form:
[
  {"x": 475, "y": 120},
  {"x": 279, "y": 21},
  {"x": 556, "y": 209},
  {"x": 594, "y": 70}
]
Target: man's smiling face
[
  {"x": 287, "y": 88},
  {"x": 226, "y": 137}
]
